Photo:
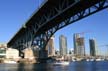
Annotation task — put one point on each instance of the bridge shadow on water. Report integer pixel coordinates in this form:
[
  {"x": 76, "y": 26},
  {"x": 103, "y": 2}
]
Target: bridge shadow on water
[
  {"x": 35, "y": 67},
  {"x": 41, "y": 67}
]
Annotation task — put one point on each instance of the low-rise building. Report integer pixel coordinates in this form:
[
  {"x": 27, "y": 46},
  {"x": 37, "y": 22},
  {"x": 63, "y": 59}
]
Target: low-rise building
[
  {"x": 3, "y": 50},
  {"x": 12, "y": 53}
]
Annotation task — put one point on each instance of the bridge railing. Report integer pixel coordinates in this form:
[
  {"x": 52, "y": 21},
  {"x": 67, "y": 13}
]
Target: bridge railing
[
  {"x": 37, "y": 9},
  {"x": 42, "y": 3}
]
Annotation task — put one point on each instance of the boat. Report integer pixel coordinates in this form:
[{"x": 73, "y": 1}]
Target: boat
[
  {"x": 98, "y": 59},
  {"x": 92, "y": 59},
  {"x": 87, "y": 60},
  {"x": 62, "y": 63},
  {"x": 10, "y": 62}
]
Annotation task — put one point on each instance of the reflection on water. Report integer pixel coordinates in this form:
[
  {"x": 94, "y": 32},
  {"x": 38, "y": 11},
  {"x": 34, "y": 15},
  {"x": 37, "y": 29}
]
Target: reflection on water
[{"x": 74, "y": 66}]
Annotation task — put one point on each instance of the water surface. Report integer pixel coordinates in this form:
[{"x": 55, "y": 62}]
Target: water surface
[{"x": 73, "y": 66}]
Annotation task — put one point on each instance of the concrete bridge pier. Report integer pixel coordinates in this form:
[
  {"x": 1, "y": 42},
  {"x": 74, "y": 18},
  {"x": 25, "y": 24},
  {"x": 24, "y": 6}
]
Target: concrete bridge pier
[{"x": 43, "y": 56}]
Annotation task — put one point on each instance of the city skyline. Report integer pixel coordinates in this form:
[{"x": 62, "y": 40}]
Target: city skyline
[{"x": 15, "y": 13}]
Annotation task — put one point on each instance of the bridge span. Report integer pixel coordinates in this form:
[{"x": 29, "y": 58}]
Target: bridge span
[{"x": 49, "y": 18}]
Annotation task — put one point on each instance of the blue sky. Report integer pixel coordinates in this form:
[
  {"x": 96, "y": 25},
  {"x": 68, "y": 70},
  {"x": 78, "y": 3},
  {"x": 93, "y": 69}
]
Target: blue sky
[{"x": 14, "y": 13}]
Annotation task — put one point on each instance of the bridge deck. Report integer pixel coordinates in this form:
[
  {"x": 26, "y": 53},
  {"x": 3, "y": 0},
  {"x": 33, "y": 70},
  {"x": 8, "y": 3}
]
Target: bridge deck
[{"x": 66, "y": 13}]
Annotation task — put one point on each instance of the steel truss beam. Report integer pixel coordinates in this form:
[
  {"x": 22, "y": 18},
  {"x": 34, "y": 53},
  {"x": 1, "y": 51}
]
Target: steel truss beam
[
  {"x": 87, "y": 12},
  {"x": 33, "y": 34},
  {"x": 43, "y": 38}
]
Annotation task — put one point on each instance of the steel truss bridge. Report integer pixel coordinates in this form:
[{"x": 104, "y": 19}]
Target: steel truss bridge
[{"x": 49, "y": 18}]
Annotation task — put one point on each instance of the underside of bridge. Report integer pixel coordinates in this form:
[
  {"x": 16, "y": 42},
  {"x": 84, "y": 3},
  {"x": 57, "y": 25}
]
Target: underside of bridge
[{"x": 50, "y": 17}]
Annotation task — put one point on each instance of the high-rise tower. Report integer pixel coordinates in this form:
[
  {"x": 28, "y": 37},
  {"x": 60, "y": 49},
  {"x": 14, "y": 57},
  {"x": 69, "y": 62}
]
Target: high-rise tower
[
  {"x": 79, "y": 46},
  {"x": 75, "y": 44},
  {"x": 63, "y": 45},
  {"x": 92, "y": 47},
  {"x": 50, "y": 47}
]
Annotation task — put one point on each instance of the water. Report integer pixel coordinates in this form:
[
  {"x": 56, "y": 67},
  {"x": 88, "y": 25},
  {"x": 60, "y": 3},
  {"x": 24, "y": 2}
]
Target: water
[{"x": 74, "y": 66}]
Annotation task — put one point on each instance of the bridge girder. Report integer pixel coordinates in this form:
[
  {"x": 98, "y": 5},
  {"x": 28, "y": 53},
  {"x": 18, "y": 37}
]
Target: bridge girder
[
  {"x": 43, "y": 38},
  {"x": 41, "y": 27}
]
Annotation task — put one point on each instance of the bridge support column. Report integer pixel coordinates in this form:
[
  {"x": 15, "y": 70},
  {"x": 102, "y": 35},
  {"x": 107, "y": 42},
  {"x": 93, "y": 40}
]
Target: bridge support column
[
  {"x": 21, "y": 54},
  {"x": 43, "y": 56}
]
